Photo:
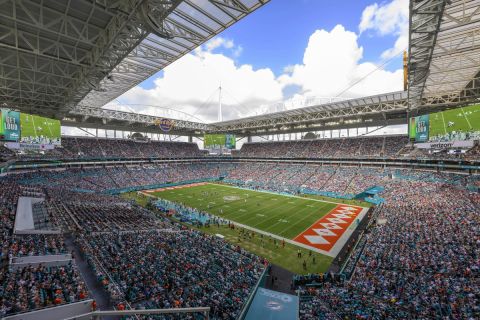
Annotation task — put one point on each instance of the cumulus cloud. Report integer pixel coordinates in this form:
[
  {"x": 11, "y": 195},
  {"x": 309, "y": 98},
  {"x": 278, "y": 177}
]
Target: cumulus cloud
[
  {"x": 191, "y": 85},
  {"x": 388, "y": 19},
  {"x": 331, "y": 64},
  {"x": 218, "y": 42}
]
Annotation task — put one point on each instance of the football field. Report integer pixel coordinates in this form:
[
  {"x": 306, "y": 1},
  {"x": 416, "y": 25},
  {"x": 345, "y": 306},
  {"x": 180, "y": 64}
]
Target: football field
[
  {"x": 466, "y": 119},
  {"x": 33, "y": 127},
  {"x": 312, "y": 224}
]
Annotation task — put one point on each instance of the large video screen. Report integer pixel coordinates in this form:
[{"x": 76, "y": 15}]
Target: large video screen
[
  {"x": 9, "y": 125},
  {"x": 39, "y": 130},
  {"x": 219, "y": 141},
  {"x": 449, "y": 125}
]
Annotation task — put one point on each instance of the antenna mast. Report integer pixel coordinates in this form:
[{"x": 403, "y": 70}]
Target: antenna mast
[{"x": 220, "y": 118}]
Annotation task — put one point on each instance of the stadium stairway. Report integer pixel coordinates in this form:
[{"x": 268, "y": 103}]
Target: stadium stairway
[{"x": 95, "y": 288}]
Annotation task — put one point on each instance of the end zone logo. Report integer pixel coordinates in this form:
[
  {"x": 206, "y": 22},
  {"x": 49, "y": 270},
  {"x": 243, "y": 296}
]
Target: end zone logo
[
  {"x": 274, "y": 305},
  {"x": 165, "y": 124},
  {"x": 325, "y": 233}
]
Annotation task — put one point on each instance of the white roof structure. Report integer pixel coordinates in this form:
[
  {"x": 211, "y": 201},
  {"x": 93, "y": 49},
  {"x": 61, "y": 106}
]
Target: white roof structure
[
  {"x": 67, "y": 59},
  {"x": 55, "y": 55},
  {"x": 444, "y": 59}
]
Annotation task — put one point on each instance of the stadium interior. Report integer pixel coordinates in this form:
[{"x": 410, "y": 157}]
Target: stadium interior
[{"x": 317, "y": 215}]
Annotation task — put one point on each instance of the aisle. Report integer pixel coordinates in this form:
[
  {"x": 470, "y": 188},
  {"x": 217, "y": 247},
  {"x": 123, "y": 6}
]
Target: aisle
[{"x": 96, "y": 289}]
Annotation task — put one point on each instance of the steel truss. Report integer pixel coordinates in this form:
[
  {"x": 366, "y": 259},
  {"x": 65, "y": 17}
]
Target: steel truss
[
  {"x": 129, "y": 118},
  {"x": 444, "y": 61},
  {"x": 354, "y": 111},
  {"x": 57, "y": 54}
]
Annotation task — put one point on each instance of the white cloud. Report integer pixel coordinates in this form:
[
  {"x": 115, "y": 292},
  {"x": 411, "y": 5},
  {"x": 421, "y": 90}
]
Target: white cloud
[
  {"x": 218, "y": 42},
  {"x": 237, "y": 51},
  {"x": 191, "y": 85},
  {"x": 388, "y": 19},
  {"x": 331, "y": 63}
]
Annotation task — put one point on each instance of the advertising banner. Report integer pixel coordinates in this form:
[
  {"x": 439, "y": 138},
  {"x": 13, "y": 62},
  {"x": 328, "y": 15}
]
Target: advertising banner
[{"x": 9, "y": 125}]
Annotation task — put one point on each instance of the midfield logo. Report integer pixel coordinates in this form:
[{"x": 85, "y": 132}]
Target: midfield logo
[{"x": 325, "y": 233}]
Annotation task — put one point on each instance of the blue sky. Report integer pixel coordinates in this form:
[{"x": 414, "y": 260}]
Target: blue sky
[
  {"x": 277, "y": 34},
  {"x": 282, "y": 55}
]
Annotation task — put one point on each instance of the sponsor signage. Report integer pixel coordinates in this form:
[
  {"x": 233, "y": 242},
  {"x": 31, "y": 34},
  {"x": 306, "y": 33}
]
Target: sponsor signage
[
  {"x": 9, "y": 125},
  {"x": 445, "y": 145},
  {"x": 29, "y": 146},
  {"x": 166, "y": 125}
]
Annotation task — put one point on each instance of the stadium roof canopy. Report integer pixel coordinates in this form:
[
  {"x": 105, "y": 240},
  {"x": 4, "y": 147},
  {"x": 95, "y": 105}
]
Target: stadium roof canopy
[
  {"x": 56, "y": 55},
  {"x": 444, "y": 53},
  {"x": 68, "y": 59},
  {"x": 379, "y": 110}
]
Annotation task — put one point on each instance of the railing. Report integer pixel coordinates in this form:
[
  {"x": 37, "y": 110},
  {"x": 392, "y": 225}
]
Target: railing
[{"x": 122, "y": 313}]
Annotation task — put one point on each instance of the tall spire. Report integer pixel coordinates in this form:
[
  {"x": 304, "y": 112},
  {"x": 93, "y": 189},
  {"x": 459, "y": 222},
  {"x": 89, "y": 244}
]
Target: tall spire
[{"x": 220, "y": 117}]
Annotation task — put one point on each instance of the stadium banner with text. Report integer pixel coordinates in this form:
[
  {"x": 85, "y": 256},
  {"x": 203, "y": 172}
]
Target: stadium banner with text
[
  {"x": 269, "y": 304},
  {"x": 419, "y": 128},
  {"x": 460, "y": 144},
  {"x": 9, "y": 125},
  {"x": 39, "y": 130},
  {"x": 219, "y": 141},
  {"x": 458, "y": 124},
  {"x": 29, "y": 146}
]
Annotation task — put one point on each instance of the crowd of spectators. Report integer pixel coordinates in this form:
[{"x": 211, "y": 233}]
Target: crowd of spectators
[
  {"x": 394, "y": 146},
  {"x": 106, "y": 178},
  {"x": 99, "y": 217},
  {"x": 36, "y": 287},
  {"x": 32, "y": 287},
  {"x": 36, "y": 245},
  {"x": 420, "y": 261},
  {"x": 174, "y": 269},
  {"x": 75, "y": 147},
  {"x": 365, "y": 147}
]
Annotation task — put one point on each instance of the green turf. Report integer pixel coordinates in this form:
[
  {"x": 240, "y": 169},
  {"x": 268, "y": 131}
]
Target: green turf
[
  {"x": 466, "y": 119},
  {"x": 33, "y": 126},
  {"x": 285, "y": 257},
  {"x": 280, "y": 215},
  {"x": 344, "y": 201}
]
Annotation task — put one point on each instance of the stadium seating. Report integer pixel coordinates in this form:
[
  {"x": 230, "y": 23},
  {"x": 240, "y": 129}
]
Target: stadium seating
[
  {"x": 175, "y": 268},
  {"x": 419, "y": 261},
  {"x": 366, "y": 147},
  {"x": 121, "y": 148},
  {"x": 32, "y": 288}
]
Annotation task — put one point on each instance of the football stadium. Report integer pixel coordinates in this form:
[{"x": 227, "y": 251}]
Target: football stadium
[{"x": 239, "y": 159}]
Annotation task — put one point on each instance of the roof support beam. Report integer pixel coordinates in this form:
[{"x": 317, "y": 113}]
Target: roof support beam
[{"x": 425, "y": 18}]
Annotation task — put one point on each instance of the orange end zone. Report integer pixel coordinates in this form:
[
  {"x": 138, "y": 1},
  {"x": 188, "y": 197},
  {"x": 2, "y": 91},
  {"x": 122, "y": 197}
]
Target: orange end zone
[
  {"x": 325, "y": 233},
  {"x": 176, "y": 187}
]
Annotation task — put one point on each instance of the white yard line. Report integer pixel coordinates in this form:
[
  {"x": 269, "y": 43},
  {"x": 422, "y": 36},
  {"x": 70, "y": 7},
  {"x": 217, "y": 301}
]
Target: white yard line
[
  {"x": 336, "y": 248},
  {"x": 34, "y": 128},
  {"x": 444, "y": 126},
  {"x": 286, "y": 195},
  {"x": 50, "y": 130},
  {"x": 298, "y": 244},
  {"x": 466, "y": 118},
  {"x": 308, "y": 216}
]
